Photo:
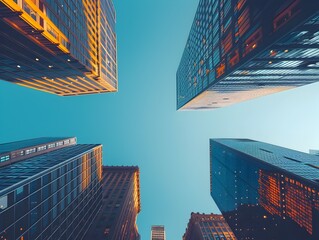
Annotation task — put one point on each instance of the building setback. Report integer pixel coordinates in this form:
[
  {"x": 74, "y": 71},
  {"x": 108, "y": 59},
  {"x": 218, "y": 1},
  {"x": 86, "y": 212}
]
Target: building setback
[
  {"x": 242, "y": 49},
  {"x": 158, "y": 232},
  {"x": 120, "y": 205},
  {"x": 50, "y": 188},
  {"x": 265, "y": 191},
  {"x": 208, "y": 226},
  {"x": 66, "y": 49}
]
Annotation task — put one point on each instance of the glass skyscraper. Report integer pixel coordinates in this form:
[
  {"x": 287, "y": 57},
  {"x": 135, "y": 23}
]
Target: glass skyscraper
[
  {"x": 50, "y": 188},
  {"x": 208, "y": 227},
  {"x": 65, "y": 47},
  {"x": 120, "y": 205},
  {"x": 265, "y": 191},
  {"x": 242, "y": 49}
]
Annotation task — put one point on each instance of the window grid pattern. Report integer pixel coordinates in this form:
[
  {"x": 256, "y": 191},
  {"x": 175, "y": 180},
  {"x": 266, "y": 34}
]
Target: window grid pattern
[
  {"x": 57, "y": 199},
  {"x": 237, "y": 50},
  {"x": 120, "y": 205},
  {"x": 208, "y": 227},
  {"x": 88, "y": 62},
  {"x": 261, "y": 190}
]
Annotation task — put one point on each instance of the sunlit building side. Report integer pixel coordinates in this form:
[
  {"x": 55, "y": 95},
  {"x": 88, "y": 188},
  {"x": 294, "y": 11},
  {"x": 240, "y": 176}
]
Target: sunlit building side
[
  {"x": 66, "y": 47},
  {"x": 120, "y": 205},
  {"x": 265, "y": 191},
  {"x": 208, "y": 226},
  {"x": 242, "y": 49},
  {"x": 50, "y": 188}
]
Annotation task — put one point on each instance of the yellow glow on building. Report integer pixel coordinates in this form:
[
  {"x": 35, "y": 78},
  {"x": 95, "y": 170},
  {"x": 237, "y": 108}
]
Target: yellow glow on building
[
  {"x": 85, "y": 62},
  {"x": 98, "y": 156},
  {"x": 137, "y": 196}
]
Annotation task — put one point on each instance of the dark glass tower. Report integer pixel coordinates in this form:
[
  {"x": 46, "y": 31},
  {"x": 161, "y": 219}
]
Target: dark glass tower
[
  {"x": 50, "y": 188},
  {"x": 265, "y": 192},
  {"x": 65, "y": 47},
  {"x": 242, "y": 49},
  {"x": 120, "y": 205},
  {"x": 208, "y": 227}
]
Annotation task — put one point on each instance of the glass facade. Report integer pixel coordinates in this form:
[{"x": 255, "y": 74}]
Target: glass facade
[
  {"x": 265, "y": 191},
  {"x": 208, "y": 227},
  {"x": 120, "y": 205},
  {"x": 241, "y": 49},
  {"x": 66, "y": 47},
  {"x": 55, "y": 195}
]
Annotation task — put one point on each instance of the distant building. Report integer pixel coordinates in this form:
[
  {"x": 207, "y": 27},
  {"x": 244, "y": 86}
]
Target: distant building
[
  {"x": 120, "y": 205},
  {"x": 265, "y": 191},
  {"x": 208, "y": 226},
  {"x": 158, "y": 233},
  {"x": 50, "y": 188},
  {"x": 66, "y": 47},
  {"x": 242, "y": 49}
]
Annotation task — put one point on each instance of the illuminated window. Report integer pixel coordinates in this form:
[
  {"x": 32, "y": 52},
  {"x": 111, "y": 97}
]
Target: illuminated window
[
  {"x": 4, "y": 158},
  {"x": 42, "y": 148}
]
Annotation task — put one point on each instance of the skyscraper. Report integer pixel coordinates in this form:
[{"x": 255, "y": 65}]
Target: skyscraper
[
  {"x": 50, "y": 188},
  {"x": 120, "y": 205},
  {"x": 242, "y": 49},
  {"x": 208, "y": 226},
  {"x": 265, "y": 191},
  {"x": 66, "y": 47},
  {"x": 158, "y": 232}
]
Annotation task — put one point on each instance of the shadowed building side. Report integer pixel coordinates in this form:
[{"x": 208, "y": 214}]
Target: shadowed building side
[
  {"x": 120, "y": 205},
  {"x": 66, "y": 49}
]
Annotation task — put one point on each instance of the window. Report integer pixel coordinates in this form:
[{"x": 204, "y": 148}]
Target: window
[
  {"x": 35, "y": 185},
  {"x": 42, "y": 148},
  {"x": 6, "y": 219},
  {"x": 21, "y": 208},
  {"x": 3, "y": 202},
  {"x": 46, "y": 179},
  {"x": 35, "y": 199},
  {"x": 52, "y": 145},
  {"x": 21, "y": 192},
  {"x": 4, "y": 158},
  {"x": 29, "y": 151}
]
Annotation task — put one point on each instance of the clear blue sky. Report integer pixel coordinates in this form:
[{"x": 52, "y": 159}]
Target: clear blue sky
[{"x": 140, "y": 126}]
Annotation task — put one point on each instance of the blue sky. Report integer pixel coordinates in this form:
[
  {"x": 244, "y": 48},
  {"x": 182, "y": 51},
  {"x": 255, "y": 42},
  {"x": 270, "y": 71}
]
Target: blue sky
[{"x": 139, "y": 125}]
